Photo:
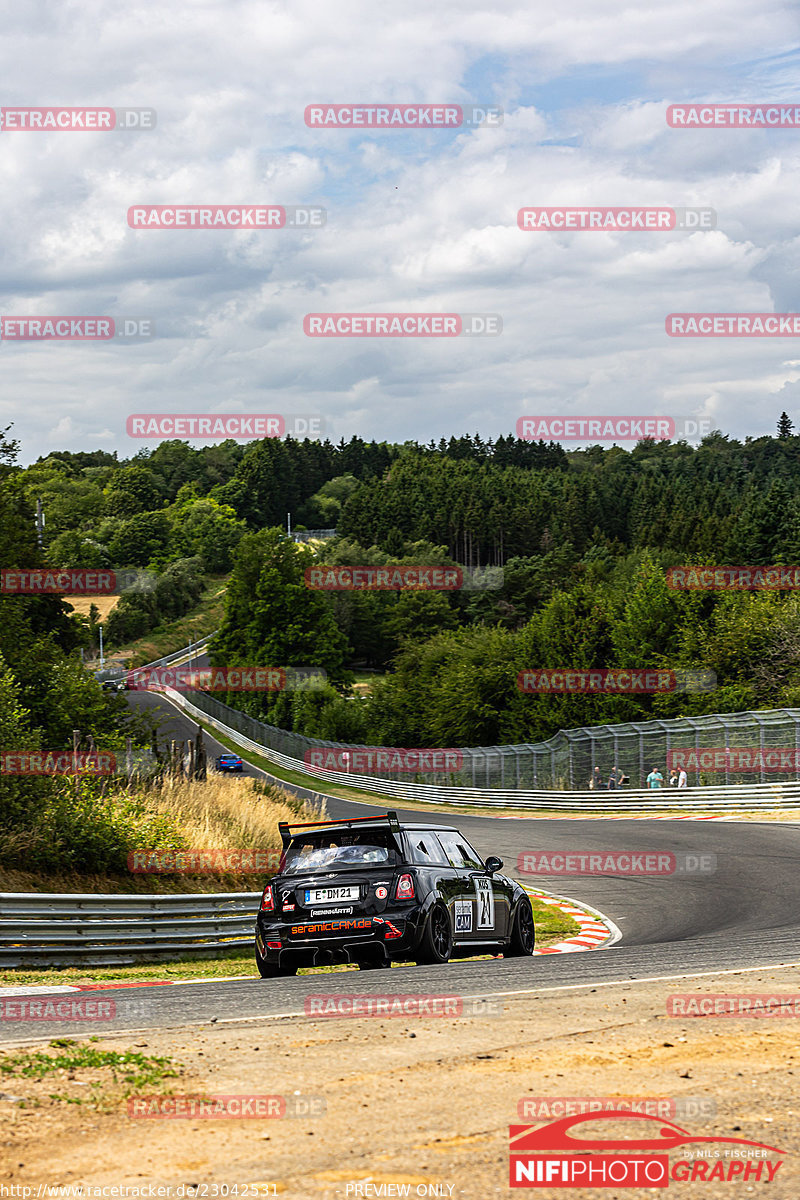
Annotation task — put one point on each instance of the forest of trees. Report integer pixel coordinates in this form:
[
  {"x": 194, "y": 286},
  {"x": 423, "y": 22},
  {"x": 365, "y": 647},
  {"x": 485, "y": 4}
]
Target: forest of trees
[
  {"x": 584, "y": 539},
  {"x": 579, "y": 542},
  {"x": 45, "y": 695}
]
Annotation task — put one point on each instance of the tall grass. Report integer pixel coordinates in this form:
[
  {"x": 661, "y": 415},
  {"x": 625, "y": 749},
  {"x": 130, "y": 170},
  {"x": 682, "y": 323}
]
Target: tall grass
[
  {"x": 82, "y": 831},
  {"x": 228, "y": 813}
]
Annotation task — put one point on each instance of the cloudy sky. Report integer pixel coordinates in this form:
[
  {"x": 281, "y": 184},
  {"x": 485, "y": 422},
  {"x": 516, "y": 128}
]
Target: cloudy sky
[{"x": 417, "y": 221}]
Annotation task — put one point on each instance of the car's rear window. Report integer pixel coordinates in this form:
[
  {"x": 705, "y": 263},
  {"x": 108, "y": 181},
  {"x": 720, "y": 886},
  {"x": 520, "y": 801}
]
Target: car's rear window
[{"x": 338, "y": 850}]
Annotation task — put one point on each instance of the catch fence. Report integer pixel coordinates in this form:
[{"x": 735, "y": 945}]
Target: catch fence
[{"x": 567, "y": 761}]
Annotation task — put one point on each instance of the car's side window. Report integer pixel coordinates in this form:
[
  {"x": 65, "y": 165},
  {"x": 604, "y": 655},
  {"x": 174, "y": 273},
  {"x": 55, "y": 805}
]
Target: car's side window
[
  {"x": 473, "y": 859},
  {"x": 426, "y": 850},
  {"x": 460, "y": 853}
]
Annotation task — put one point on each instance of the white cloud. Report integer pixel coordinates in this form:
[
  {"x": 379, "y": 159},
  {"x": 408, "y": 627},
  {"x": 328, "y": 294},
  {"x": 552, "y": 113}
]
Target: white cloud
[{"x": 416, "y": 221}]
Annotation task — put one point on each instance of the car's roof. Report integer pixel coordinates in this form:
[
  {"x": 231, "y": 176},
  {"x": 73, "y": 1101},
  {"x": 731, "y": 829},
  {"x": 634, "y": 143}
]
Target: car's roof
[
  {"x": 368, "y": 823},
  {"x": 431, "y": 827}
]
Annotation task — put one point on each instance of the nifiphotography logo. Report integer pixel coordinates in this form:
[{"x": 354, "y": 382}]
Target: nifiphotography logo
[{"x": 552, "y": 1156}]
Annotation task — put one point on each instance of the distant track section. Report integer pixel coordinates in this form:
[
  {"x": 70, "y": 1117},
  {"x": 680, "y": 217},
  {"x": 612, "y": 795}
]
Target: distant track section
[{"x": 741, "y": 798}]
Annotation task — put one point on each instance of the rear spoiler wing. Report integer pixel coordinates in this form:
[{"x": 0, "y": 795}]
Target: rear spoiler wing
[{"x": 286, "y": 828}]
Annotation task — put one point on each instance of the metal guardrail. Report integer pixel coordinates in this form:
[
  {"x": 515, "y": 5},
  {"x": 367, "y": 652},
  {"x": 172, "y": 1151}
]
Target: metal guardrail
[
  {"x": 307, "y": 535},
  {"x": 745, "y": 797},
  {"x": 46, "y": 929},
  {"x": 118, "y": 672},
  {"x": 194, "y": 648}
]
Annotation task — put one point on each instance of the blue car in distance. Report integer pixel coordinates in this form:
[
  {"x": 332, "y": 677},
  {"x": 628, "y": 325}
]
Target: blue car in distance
[{"x": 229, "y": 762}]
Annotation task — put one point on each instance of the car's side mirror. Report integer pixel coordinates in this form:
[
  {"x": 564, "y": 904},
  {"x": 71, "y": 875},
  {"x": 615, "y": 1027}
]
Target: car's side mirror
[{"x": 493, "y": 863}]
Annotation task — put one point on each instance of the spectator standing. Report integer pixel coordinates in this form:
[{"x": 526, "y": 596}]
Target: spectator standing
[
  {"x": 596, "y": 782},
  {"x": 683, "y": 780},
  {"x": 655, "y": 779},
  {"x": 673, "y": 777}
]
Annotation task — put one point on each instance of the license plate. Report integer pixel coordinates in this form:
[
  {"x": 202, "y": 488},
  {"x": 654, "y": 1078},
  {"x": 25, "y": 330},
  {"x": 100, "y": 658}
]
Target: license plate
[{"x": 330, "y": 895}]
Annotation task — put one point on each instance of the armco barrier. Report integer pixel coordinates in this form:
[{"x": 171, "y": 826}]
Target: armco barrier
[
  {"x": 745, "y": 797},
  {"x": 176, "y": 658},
  {"x": 43, "y": 929}
]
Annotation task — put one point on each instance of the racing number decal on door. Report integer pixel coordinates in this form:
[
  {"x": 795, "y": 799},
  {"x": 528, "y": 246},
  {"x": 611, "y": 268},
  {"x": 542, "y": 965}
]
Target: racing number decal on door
[
  {"x": 463, "y": 916},
  {"x": 483, "y": 887}
]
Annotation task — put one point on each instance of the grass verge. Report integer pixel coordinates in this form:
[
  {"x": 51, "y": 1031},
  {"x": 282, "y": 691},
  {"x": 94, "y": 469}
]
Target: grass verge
[{"x": 107, "y": 1076}]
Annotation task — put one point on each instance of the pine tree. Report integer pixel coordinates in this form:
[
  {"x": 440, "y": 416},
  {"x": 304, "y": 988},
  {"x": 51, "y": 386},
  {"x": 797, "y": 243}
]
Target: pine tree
[{"x": 785, "y": 426}]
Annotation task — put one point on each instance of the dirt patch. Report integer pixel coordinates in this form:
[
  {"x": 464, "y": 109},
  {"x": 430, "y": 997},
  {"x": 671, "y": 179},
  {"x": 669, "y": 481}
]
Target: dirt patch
[{"x": 424, "y": 1102}]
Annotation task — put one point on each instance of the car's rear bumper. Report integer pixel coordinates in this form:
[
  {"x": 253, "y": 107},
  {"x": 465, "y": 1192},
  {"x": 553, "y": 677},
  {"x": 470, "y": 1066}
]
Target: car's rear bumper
[{"x": 314, "y": 943}]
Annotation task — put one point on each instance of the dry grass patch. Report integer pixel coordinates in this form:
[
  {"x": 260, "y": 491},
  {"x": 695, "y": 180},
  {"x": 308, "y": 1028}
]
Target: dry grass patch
[{"x": 229, "y": 813}]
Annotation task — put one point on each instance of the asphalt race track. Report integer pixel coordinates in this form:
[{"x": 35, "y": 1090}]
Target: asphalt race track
[{"x": 744, "y": 915}]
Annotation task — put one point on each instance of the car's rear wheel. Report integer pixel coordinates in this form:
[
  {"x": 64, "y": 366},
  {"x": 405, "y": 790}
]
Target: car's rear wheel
[
  {"x": 268, "y": 970},
  {"x": 436, "y": 945},
  {"x": 523, "y": 932}
]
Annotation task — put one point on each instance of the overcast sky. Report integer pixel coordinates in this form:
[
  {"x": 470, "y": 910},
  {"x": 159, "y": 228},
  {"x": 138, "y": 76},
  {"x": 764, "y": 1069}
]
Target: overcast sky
[{"x": 417, "y": 221}]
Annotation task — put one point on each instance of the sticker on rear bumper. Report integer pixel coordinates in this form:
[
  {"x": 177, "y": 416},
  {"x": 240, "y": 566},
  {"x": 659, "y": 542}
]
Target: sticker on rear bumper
[{"x": 357, "y": 924}]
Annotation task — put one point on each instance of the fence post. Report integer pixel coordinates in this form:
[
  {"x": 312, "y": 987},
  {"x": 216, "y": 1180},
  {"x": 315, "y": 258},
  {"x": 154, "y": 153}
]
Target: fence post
[{"x": 200, "y": 768}]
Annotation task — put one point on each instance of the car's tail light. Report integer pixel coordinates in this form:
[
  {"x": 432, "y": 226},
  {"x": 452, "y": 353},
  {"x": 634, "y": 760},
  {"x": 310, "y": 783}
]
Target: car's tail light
[
  {"x": 267, "y": 900},
  {"x": 274, "y": 945},
  {"x": 405, "y": 888}
]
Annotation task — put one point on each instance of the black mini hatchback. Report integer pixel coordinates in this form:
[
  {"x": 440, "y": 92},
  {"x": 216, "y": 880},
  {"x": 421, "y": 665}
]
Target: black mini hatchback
[{"x": 371, "y": 891}]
